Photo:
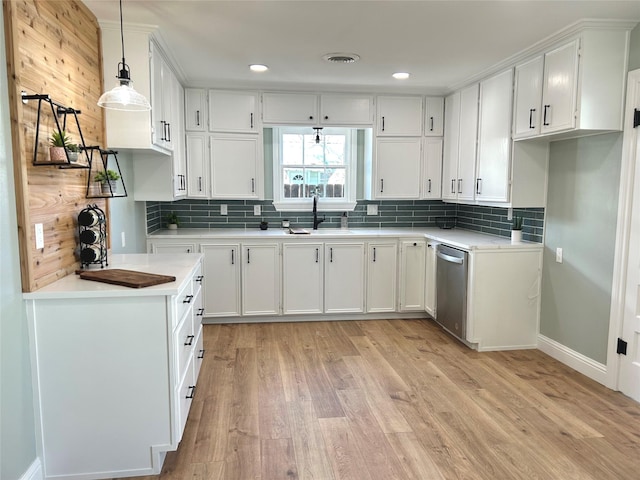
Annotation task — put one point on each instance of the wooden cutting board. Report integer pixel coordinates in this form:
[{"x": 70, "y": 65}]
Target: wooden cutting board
[{"x": 127, "y": 278}]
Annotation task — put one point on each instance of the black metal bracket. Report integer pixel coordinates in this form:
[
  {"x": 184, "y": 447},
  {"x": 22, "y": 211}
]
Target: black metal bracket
[
  {"x": 636, "y": 117},
  {"x": 621, "y": 348},
  {"x": 111, "y": 191}
]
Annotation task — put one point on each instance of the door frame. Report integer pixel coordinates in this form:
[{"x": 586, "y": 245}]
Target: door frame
[{"x": 623, "y": 229}]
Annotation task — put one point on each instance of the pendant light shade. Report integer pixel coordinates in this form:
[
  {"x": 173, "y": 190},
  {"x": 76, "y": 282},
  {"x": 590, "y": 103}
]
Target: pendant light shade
[{"x": 123, "y": 96}]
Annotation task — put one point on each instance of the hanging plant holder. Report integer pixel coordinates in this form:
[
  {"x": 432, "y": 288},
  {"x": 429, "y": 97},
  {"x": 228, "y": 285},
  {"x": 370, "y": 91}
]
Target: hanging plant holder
[{"x": 105, "y": 177}]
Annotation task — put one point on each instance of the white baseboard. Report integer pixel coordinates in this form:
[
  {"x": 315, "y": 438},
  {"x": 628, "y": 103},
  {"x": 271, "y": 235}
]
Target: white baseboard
[
  {"x": 34, "y": 472},
  {"x": 585, "y": 365}
]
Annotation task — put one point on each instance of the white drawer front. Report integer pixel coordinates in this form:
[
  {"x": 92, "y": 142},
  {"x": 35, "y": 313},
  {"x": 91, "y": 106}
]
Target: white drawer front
[
  {"x": 199, "y": 353},
  {"x": 185, "y": 340},
  {"x": 185, "y": 393},
  {"x": 184, "y": 301}
]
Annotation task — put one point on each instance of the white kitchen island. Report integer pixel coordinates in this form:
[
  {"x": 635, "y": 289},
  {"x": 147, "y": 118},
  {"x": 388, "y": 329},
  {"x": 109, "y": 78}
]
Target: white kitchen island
[{"x": 115, "y": 368}]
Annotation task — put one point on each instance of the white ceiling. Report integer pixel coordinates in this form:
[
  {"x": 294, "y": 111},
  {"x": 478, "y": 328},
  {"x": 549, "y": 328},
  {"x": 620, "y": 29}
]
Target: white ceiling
[{"x": 441, "y": 43}]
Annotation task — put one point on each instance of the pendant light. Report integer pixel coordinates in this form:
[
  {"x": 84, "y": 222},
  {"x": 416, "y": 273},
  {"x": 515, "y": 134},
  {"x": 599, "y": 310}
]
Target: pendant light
[
  {"x": 123, "y": 96},
  {"x": 317, "y": 129}
]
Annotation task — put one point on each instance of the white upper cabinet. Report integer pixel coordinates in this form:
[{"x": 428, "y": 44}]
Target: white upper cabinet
[
  {"x": 290, "y": 108},
  {"x": 576, "y": 88},
  {"x": 236, "y": 166},
  {"x": 233, "y": 111},
  {"x": 396, "y": 168},
  {"x": 346, "y": 109},
  {"x": 494, "y": 138},
  {"x": 197, "y": 165},
  {"x": 163, "y": 117},
  {"x": 195, "y": 110},
  {"x": 528, "y": 98},
  {"x": 399, "y": 116},
  {"x": 461, "y": 133},
  {"x": 335, "y": 109},
  {"x": 431, "y": 168},
  {"x": 434, "y": 116},
  {"x": 559, "y": 88}
]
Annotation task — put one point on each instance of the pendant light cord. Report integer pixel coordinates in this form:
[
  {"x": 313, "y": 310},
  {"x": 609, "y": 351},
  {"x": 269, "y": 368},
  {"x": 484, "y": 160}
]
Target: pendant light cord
[{"x": 122, "y": 34}]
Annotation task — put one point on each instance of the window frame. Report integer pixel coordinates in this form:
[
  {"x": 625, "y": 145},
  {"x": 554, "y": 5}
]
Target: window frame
[{"x": 325, "y": 204}]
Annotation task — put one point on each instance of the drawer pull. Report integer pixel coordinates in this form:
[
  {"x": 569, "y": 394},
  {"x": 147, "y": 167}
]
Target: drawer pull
[
  {"x": 192, "y": 391},
  {"x": 431, "y": 127},
  {"x": 199, "y": 278},
  {"x": 188, "y": 299},
  {"x": 200, "y": 312},
  {"x": 189, "y": 340},
  {"x": 201, "y": 354}
]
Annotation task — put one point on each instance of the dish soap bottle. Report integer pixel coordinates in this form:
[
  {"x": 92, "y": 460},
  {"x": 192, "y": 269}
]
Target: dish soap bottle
[{"x": 344, "y": 223}]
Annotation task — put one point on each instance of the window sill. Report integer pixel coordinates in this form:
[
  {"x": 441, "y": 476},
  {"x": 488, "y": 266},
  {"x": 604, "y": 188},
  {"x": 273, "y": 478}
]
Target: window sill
[{"x": 307, "y": 206}]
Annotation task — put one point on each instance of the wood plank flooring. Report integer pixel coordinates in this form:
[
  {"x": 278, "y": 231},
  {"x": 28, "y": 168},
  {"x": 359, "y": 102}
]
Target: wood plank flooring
[{"x": 400, "y": 399}]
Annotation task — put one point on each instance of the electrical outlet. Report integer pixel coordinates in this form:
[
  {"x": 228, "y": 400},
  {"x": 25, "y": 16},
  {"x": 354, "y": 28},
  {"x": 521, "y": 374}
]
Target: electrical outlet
[
  {"x": 223, "y": 209},
  {"x": 509, "y": 214},
  {"x": 372, "y": 209},
  {"x": 39, "y": 236},
  {"x": 256, "y": 209},
  {"x": 123, "y": 241},
  {"x": 559, "y": 255}
]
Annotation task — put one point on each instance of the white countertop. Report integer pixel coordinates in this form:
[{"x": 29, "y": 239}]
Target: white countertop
[
  {"x": 464, "y": 239},
  {"x": 180, "y": 266}
]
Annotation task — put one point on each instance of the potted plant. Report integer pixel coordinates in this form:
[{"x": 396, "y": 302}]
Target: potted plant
[
  {"x": 59, "y": 143},
  {"x": 516, "y": 229},
  {"x": 264, "y": 224},
  {"x": 107, "y": 179},
  {"x": 72, "y": 151},
  {"x": 172, "y": 221}
]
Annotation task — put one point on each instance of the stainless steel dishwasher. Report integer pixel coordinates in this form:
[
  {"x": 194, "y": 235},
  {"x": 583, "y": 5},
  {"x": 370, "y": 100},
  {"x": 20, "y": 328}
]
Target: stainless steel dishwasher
[{"x": 451, "y": 290}]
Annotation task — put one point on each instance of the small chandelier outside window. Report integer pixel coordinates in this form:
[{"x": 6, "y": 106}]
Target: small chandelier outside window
[{"x": 123, "y": 96}]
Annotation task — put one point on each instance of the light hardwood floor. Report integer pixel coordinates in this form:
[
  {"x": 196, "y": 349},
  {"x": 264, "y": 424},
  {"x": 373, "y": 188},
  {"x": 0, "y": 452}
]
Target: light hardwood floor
[{"x": 400, "y": 399}]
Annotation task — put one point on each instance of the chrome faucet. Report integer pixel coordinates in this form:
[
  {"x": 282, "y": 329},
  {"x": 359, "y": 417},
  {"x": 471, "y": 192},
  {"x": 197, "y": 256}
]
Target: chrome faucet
[{"x": 316, "y": 221}]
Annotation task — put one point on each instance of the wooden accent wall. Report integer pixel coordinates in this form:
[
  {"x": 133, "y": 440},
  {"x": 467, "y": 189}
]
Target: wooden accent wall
[{"x": 53, "y": 47}]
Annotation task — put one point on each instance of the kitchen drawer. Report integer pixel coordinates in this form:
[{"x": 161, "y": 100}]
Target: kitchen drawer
[
  {"x": 184, "y": 301},
  {"x": 197, "y": 280},
  {"x": 184, "y": 339},
  {"x": 199, "y": 353},
  {"x": 185, "y": 392},
  {"x": 198, "y": 312}
]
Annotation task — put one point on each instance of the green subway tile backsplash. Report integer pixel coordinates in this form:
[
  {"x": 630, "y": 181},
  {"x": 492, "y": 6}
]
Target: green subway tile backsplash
[{"x": 405, "y": 213}]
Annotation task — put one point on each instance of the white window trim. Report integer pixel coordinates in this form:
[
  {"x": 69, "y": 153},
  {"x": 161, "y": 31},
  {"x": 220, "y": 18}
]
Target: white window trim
[{"x": 324, "y": 204}]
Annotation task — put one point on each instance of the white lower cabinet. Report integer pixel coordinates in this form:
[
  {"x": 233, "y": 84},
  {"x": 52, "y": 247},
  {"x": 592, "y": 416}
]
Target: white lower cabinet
[
  {"x": 261, "y": 279},
  {"x": 382, "y": 271},
  {"x": 430, "y": 279},
  {"x": 344, "y": 277},
  {"x": 412, "y": 273},
  {"x": 302, "y": 278},
  {"x": 221, "y": 287}
]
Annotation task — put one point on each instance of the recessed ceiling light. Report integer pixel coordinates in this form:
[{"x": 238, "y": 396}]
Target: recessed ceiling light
[
  {"x": 341, "y": 57},
  {"x": 258, "y": 68},
  {"x": 401, "y": 75}
]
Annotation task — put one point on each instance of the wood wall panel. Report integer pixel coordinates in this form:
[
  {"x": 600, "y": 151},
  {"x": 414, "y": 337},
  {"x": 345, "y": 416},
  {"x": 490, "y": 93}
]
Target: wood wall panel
[{"x": 53, "y": 47}]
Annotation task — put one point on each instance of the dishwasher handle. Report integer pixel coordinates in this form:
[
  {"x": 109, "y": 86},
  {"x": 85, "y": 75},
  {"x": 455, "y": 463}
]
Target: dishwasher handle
[{"x": 449, "y": 258}]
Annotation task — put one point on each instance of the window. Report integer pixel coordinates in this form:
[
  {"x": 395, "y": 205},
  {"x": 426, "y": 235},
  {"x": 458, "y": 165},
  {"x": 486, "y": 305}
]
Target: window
[{"x": 307, "y": 162}]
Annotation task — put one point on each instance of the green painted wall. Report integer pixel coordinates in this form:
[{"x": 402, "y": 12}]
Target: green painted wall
[
  {"x": 17, "y": 434},
  {"x": 582, "y": 202}
]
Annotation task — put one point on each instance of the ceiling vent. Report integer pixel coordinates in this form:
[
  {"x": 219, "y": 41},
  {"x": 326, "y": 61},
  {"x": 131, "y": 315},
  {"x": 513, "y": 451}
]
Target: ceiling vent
[{"x": 341, "y": 57}]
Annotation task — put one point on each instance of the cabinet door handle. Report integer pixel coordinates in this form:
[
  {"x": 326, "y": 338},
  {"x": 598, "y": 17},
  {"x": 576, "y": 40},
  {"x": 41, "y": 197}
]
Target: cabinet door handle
[
  {"x": 459, "y": 185},
  {"x": 453, "y": 185},
  {"x": 198, "y": 118},
  {"x": 201, "y": 354},
  {"x": 429, "y": 184},
  {"x": 544, "y": 115},
  {"x": 383, "y": 124},
  {"x": 331, "y": 255},
  {"x": 479, "y": 186},
  {"x": 189, "y": 340},
  {"x": 431, "y": 127},
  {"x": 248, "y": 255},
  {"x": 164, "y": 131},
  {"x": 233, "y": 261},
  {"x": 200, "y": 312},
  {"x": 374, "y": 254},
  {"x": 253, "y": 185},
  {"x": 251, "y": 122},
  {"x": 326, "y": 117},
  {"x": 381, "y": 185},
  {"x": 188, "y": 298},
  {"x": 199, "y": 278},
  {"x": 531, "y": 110},
  {"x": 184, "y": 182},
  {"x": 192, "y": 391},
  {"x": 317, "y": 255},
  {"x": 188, "y": 250},
  {"x": 310, "y": 117},
  {"x": 199, "y": 184}
]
